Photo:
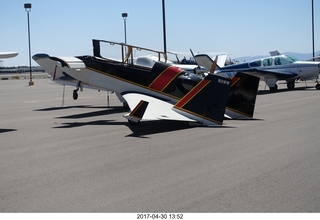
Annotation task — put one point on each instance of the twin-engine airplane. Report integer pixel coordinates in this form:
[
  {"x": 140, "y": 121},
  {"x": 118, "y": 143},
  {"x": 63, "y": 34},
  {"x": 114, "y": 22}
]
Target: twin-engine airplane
[
  {"x": 160, "y": 92},
  {"x": 270, "y": 69}
]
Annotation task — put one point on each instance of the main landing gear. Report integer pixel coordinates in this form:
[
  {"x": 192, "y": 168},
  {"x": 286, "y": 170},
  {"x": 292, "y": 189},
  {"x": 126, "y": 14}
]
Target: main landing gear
[
  {"x": 317, "y": 85},
  {"x": 290, "y": 85},
  {"x": 275, "y": 88},
  {"x": 75, "y": 92}
]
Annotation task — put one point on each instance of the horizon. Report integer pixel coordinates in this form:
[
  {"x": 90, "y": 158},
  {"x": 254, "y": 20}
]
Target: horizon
[{"x": 300, "y": 56}]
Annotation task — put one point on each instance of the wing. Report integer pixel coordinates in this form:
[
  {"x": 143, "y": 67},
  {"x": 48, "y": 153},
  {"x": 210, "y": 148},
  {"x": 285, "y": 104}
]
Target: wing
[
  {"x": 4, "y": 55},
  {"x": 155, "y": 110},
  {"x": 279, "y": 74}
]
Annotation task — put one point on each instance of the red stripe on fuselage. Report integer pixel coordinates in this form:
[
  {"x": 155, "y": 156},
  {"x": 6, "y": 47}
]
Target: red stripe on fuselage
[
  {"x": 192, "y": 93},
  {"x": 161, "y": 82},
  {"x": 234, "y": 80}
]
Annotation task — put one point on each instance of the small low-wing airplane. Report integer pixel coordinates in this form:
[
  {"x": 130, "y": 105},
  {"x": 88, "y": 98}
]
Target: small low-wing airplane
[
  {"x": 270, "y": 69},
  {"x": 160, "y": 92}
]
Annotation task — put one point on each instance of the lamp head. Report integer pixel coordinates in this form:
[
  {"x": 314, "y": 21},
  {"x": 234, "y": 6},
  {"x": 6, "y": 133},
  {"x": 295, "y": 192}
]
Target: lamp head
[
  {"x": 27, "y": 7},
  {"x": 124, "y": 15}
]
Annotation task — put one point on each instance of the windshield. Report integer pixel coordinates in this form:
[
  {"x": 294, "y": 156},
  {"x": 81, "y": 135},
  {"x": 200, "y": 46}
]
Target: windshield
[{"x": 291, "y": 58}]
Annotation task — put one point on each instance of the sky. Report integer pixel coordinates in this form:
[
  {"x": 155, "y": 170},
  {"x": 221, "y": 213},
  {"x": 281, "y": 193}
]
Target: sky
[{"x": 240, "y": 28}]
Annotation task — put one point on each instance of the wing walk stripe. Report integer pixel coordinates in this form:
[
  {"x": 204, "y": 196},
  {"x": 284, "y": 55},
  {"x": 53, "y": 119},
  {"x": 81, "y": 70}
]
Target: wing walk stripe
[
  {"x": 192, "y": 93},
  {"x": 161, "y": 82}
]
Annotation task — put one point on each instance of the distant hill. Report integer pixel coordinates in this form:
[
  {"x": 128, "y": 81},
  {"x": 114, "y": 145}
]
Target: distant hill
[{"x": 300, "y": 56}]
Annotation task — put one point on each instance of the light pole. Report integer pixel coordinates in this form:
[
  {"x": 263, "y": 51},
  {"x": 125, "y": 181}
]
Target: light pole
[
  {"x": 27, "y": 7},
  {"x": 124, "y": 16},
  {"x": 164, "y": 28},
  {"x": 313, "y": 53}
]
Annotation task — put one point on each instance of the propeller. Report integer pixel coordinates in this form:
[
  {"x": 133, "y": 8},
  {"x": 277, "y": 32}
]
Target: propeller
[{"x": 214, "y": 65}]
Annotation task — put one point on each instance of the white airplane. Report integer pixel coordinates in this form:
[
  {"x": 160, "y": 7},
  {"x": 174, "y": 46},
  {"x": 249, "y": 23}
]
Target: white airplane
[
  {"x": 162, "y": 92},
  {"x": 270, "y": 69},
  {"x": 5, "y": 55}
]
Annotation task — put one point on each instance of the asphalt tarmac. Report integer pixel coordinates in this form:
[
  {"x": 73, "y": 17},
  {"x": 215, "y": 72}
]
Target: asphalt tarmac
[{"x": 84, "y": 156}]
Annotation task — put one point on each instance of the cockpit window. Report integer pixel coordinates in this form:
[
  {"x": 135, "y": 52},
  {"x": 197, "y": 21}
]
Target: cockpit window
[
  {"x": 281, "y": 61},
  {"x": 255, "y": 63},
  {"x": 267, "y": 62},
  {"x": 291, "y": 59}
]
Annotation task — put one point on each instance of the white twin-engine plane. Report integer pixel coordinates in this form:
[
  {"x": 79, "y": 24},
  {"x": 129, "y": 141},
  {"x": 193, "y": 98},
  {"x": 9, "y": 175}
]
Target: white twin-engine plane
[
  {"x": 270, "y": 69},
  {"x": 160, "y": 92}
]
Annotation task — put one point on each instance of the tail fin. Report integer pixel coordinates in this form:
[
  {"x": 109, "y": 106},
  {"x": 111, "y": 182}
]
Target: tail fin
[
  {"x": 137, "y": 113},
  {"x": 242, "y": 96},
  {"x": 207, "y": 101}
]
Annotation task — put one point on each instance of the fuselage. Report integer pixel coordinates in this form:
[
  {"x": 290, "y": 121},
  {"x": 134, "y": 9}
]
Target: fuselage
[
  {"x": 162, "y": 80},
  {"x": 284, "y": 67}
]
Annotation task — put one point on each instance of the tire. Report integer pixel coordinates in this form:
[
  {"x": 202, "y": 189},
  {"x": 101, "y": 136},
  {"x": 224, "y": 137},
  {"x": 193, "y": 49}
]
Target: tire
[
  {"x": 275, "y": 88},
  {"x": 75, "y": 95},
  {"x": 318, "y": 86},
  {"x": 290, "y": 85}
]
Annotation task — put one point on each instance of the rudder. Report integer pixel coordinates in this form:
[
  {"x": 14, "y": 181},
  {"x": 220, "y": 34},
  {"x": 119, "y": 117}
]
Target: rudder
[
  {"x": 207, "y": 101},
  {"x": 242, "y": 98}
]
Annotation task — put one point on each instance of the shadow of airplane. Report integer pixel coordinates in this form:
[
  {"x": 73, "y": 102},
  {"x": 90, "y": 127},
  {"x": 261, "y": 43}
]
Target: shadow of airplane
[
  {"x": 144, "y": 128},
  {"x": 106, "y": 111},
  {"x": 266, "y": 92},
  {"x": 3, "y": 130}
]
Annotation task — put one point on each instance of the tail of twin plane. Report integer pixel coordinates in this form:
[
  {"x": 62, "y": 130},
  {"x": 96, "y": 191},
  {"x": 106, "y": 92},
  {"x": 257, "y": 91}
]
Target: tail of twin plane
[{"x": 208, "y": 103}]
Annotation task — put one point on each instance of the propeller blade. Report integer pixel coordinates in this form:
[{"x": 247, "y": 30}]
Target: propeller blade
[{"x": 214, "y": 65}]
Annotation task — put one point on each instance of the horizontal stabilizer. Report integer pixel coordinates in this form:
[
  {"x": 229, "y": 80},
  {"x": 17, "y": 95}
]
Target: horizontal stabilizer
[{"x": 157, "y": 109}]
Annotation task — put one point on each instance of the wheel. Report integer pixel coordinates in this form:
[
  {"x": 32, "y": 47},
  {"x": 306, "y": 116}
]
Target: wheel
[
  {"x": 275, "y": 88},
  {"x": 75, "y": 95},
  {"x": 318, "y": 86},
  {"x": 290, "y": 85}
]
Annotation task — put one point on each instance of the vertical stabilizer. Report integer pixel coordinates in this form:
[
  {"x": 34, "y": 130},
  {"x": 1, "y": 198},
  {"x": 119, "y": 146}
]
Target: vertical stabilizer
[
  {"x": 207, "y": 101},
  {"x": 243, "y": 95}
]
